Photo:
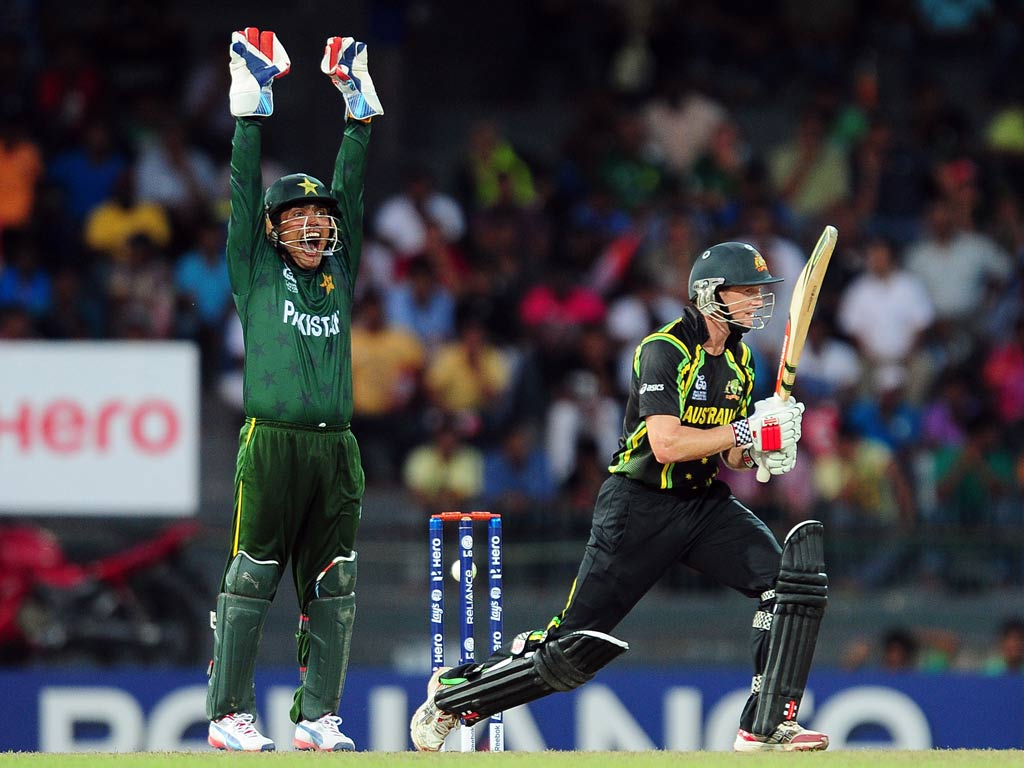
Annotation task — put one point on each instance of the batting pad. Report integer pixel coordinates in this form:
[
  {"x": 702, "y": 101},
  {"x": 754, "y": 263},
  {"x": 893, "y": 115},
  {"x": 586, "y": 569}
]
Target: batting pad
[
  {"x": 801, "y": 594},
  {"x": 557, "y": 665}
]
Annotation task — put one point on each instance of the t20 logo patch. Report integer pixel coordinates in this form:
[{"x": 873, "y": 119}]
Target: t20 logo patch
[{"x": 700, "y": 388}]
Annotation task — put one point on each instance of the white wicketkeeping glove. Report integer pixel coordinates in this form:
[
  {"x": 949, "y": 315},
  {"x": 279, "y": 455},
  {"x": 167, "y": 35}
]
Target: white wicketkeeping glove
[
  {"x": 257, "y": 58},
  {"x": 773, "y": 462},
  {"x": 345, "y": 62}
]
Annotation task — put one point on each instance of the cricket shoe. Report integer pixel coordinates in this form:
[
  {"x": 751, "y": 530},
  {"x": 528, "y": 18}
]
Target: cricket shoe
[
  {"x": 236, "y": 733},
  {"x": 430, "y": 725},
  {"x": 323, "y": 735},
  {"x": 790, "y": 736}
]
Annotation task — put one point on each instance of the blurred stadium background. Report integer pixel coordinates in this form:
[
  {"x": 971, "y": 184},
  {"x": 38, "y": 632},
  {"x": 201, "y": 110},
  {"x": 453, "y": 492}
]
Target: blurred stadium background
[{"x": 544, "y": 174}]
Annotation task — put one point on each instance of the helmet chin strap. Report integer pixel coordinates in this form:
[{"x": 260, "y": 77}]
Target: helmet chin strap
[
  {"x": 738, "y": 329},
  {"x": 717, "y": 310},
  {"x": 735, "y": 327}
]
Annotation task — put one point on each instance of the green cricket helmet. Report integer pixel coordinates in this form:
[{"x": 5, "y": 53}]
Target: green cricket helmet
[
  {"x": 296, "y": 189},
  {"x": 729, "y": 264}
]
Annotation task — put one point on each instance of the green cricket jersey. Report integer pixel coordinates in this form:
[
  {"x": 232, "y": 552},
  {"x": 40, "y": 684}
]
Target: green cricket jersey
[
  {"x": 296, "y": 323},
  {"x": 673, "y": 375}
]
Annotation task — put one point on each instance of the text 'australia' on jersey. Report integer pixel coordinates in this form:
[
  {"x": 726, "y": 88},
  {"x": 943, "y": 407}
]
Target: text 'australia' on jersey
[
  {"x": 672, "y": 375},
  {"x": 296, "y": 323}
]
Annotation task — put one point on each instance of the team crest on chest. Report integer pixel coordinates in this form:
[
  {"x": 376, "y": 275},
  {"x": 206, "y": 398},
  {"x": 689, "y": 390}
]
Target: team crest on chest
[
  {"x": 327, "y": 284},
  {"x": 733, "y": 389}
]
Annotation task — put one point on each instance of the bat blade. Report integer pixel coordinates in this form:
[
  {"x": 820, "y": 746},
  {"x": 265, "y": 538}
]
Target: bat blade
[{"x": 801, "y": 310}]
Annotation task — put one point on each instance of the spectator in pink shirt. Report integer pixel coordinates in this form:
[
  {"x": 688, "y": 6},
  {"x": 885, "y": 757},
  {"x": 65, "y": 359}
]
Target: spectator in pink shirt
[{"x": 1004, "y": 376}]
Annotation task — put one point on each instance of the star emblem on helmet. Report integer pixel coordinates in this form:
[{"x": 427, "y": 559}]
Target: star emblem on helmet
[{"x": 308, "y": 186}]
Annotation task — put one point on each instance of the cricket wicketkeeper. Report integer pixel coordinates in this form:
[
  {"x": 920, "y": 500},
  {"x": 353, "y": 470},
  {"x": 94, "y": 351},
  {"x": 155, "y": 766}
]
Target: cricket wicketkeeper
[{"x": 293, "y": 254}]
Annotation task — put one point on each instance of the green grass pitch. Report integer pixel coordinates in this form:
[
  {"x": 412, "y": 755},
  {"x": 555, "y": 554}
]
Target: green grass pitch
[{"x": 961, "y": 758}]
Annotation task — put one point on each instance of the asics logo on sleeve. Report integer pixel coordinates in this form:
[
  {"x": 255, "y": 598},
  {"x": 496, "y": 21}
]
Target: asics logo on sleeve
[
  {"x": 311, "y": 325},
  {"x": 652, "y": 388}
]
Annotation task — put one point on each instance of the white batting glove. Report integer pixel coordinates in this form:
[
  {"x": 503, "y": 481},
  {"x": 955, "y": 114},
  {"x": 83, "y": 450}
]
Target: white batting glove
[
  {"x": 774, "y": 425},
  {"x": 776, "y": 403},
  {"x": 790, "y": 414},
  {"x": 773, "y": 462},
  {"x": 345, "y": 62},
  {"x": 257, "y": 59}
]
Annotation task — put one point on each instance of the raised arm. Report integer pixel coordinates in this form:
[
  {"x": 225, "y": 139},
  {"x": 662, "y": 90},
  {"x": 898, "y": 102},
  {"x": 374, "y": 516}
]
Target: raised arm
[
  {"x": 256, "y": 60},
  {"x": 346, "y": 62},
  {"x": 245, "y": 222},
  {"x": 347, "y": 187}
]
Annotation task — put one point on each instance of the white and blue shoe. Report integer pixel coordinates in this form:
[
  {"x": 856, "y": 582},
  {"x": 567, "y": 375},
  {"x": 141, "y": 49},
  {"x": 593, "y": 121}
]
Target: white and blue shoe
[
  {"x": 236, "y": 733},
  {"x": 323, "y": 735}
]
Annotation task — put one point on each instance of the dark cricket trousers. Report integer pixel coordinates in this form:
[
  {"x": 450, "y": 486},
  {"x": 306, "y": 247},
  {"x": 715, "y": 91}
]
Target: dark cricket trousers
[
  {"x": 638, "y": 533},
  {"x": 298, "y": 496}
]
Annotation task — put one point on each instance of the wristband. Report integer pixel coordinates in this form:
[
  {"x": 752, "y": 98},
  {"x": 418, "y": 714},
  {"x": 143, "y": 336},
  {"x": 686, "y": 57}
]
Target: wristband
[{"x": 741, "y": 433}]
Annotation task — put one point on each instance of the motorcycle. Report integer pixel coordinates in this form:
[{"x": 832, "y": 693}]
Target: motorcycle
[{"x": 143, "y": 605}]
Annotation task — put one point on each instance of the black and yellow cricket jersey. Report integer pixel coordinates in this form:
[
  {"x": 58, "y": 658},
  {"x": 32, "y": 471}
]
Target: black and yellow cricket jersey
[
  {"x": 673, "y": 375},
  {"x": 296, "y": 323}
]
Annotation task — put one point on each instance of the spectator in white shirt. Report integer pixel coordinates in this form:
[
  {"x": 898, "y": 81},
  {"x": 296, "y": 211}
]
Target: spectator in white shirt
[
  {"x": 885, "y": 309},
  {"x": 959, "y": 268},
  {"x": 402, "y": 219}
]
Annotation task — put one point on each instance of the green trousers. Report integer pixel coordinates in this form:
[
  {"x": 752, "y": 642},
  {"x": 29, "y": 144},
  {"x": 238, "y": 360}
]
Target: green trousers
[{"x": 298, "y": 496}]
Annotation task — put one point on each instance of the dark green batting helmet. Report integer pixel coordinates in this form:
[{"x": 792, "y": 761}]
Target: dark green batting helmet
[
  {"x": 728, "y": 264},
  {"x": 296, "y": 189}
]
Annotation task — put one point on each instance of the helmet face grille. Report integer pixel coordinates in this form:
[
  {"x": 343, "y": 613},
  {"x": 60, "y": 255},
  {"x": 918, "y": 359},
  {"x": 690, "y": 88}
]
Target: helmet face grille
[
  {"x": 720, "y": 310},
  {"x": 310, "y": 232}
]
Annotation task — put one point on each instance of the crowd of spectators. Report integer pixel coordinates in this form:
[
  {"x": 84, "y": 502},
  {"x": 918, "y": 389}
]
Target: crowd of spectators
[
  {"x": 903, "y": 649},
  {"x": 502, "y": 295}
]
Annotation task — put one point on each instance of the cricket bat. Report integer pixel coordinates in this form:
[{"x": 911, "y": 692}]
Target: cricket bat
[{"x": 801, "y": 309}]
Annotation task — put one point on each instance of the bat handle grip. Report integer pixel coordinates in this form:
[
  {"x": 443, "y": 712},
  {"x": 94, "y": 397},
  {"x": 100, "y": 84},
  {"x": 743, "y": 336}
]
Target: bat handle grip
[{"x": 763, "y": 474}]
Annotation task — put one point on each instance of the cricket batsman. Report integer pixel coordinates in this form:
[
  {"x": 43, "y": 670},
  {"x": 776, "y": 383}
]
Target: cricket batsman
[
  {"x": 688, "y": 411},
  {"x": 293, "y": 253}
]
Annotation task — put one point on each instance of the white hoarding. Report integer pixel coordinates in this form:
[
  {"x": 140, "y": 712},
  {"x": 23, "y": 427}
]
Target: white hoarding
[{"x": 94, "y": 428}]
